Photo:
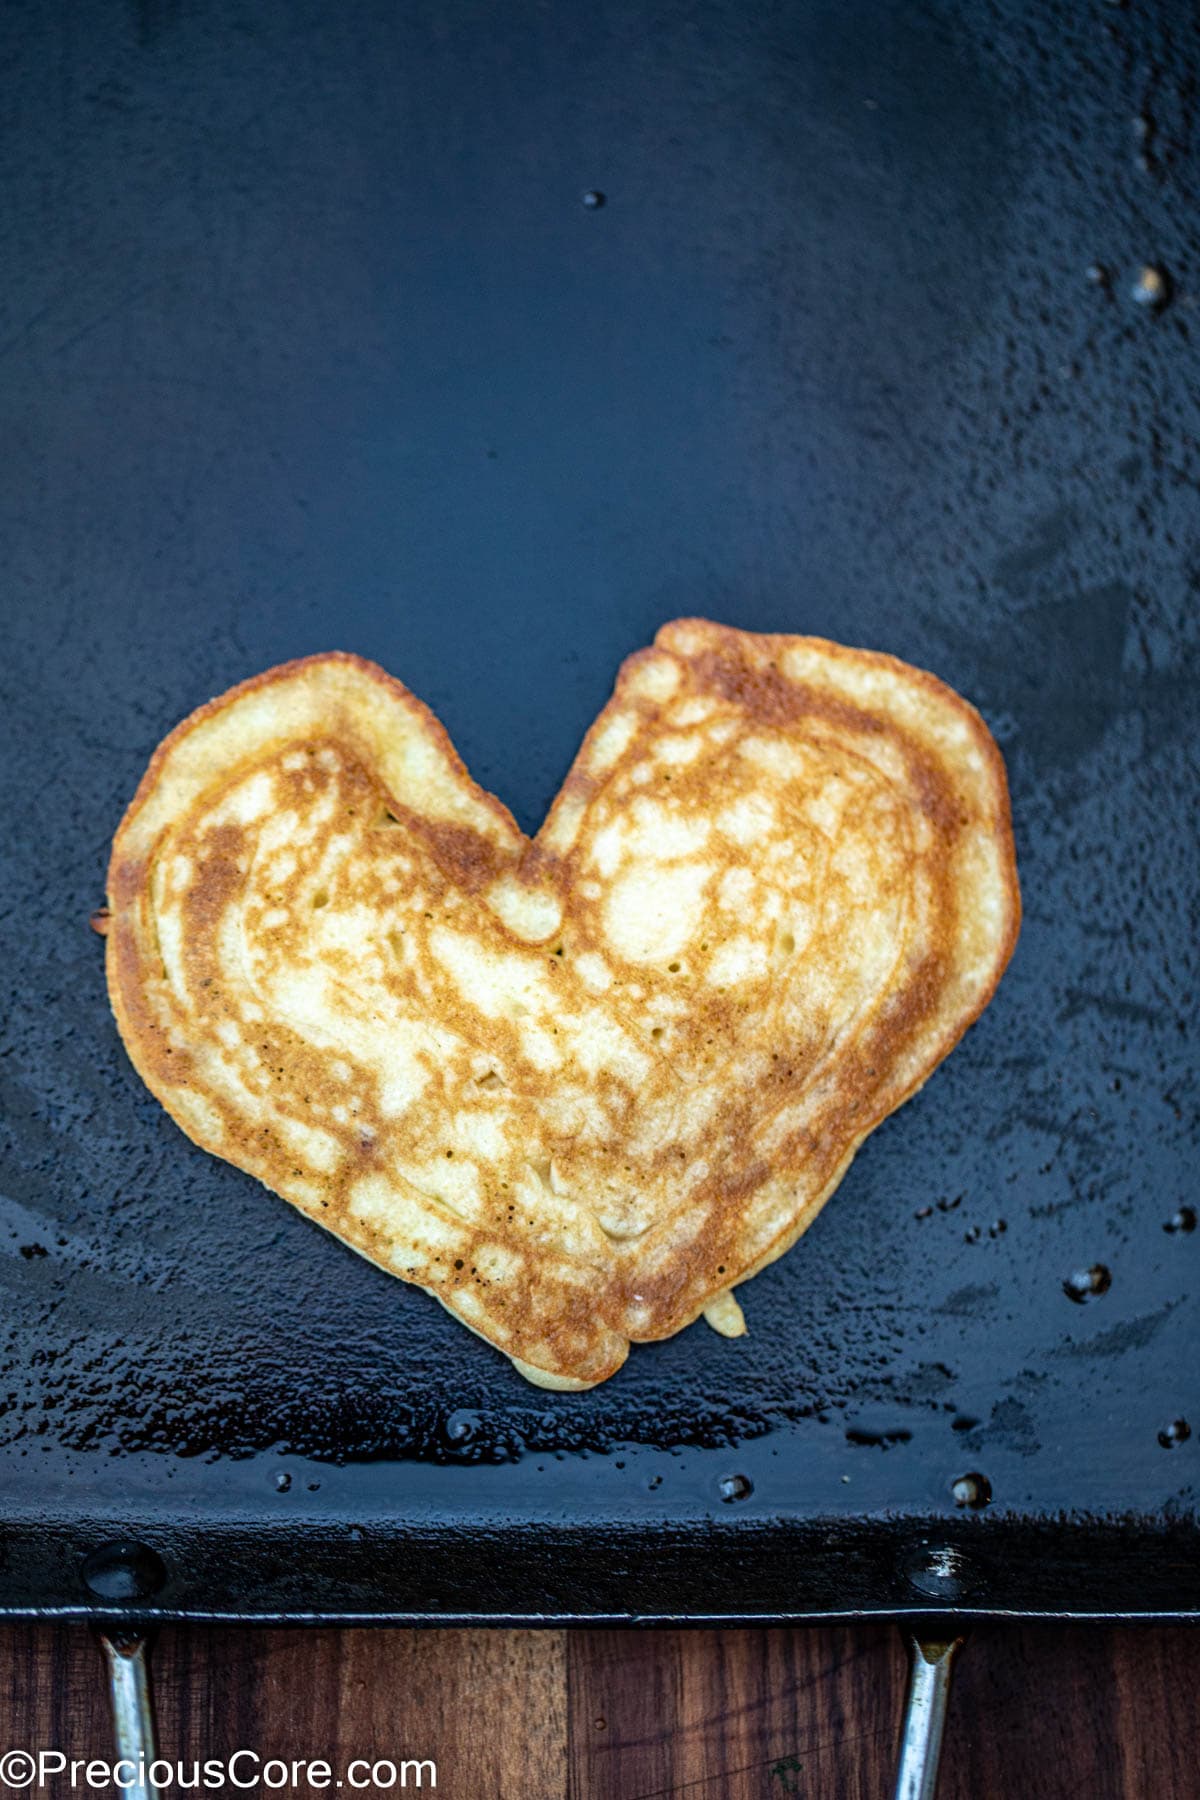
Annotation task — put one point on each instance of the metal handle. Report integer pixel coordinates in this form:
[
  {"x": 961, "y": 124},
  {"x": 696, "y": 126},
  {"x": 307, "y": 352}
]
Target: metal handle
[
  {"x": 125, "y": 1654},
  {"x": 930, "y": 1661}
]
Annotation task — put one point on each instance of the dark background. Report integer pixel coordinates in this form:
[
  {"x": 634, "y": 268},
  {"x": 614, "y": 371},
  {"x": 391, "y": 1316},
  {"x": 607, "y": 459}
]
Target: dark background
[{"x": 309, "y": 341}]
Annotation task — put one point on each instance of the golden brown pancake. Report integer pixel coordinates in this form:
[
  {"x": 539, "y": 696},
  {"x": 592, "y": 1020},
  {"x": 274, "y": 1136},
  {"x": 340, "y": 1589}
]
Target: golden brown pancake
[{"x": 578, "y": 1086}]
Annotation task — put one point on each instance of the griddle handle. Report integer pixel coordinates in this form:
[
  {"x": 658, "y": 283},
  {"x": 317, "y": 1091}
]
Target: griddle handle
[
  {"x": 930, "y": 1657},
  {"x": 126, "y": 1658}
]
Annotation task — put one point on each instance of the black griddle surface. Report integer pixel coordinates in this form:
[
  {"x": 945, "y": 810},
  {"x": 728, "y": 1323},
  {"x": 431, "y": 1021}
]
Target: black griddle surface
[{"x": 309, "y": 340}]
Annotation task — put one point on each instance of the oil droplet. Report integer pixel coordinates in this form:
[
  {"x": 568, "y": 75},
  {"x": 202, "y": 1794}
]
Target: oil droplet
[
  {"x": 971, "y": 1490},
  {"x": 594, "y": 199},
  {"x": 972, "y": 1235},
  {"x": 1152, "y": 289},
  {"x": 99, "y": 920},
  {"x": 461, "y": 1426},
  {"x": 1176, "y": 1433},
  {"x": 1183, "y": 1220},
  {"x": 283, "y": 1482},
  {"x": 735, "y": 1487},
  {"x": 945, "y": 1205},
  {"x": 1098, "y": 275},
  {"x": 923, "y": 1212},
  {"x": 1087, "y": 1284},
  {"x": 997, "y": 1228}
]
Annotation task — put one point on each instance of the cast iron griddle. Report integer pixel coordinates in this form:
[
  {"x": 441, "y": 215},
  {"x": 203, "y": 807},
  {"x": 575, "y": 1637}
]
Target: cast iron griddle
[{"x": 311, "y": 341}]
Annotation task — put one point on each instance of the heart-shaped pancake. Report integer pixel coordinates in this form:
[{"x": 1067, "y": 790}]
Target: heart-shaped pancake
[{"x": 577, "y": 1086}]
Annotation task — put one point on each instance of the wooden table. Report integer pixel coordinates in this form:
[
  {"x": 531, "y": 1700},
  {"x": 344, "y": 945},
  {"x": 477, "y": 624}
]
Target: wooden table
[{"x": 1038, "y": 1712}]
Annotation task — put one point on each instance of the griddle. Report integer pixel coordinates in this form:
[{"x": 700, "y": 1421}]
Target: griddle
[{"x": 480, "y": 341}]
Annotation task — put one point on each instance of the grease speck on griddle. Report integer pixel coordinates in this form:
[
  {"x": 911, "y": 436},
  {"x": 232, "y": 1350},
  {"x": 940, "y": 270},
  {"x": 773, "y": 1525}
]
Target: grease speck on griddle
[
  {"x": 877, "y": 1440},
  {"x": 1174, "y": 1434},
  {"x": 735, "y": 1487},
  {"x": 461, "y": 1427},
  {"x": 973, "y": 1490},
  {"x": 1152, "y": 288},
  {"x": 1083, "y": 1285},
  {"x": 1183, "y": 1220}
]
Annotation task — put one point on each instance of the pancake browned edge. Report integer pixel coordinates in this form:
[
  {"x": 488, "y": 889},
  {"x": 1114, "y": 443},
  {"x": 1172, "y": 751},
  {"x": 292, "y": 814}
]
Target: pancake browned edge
[{"x": 578, "y": 1087}]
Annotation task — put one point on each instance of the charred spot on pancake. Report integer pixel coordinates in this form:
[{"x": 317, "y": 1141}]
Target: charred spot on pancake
[{"x": 467, "y": 858}]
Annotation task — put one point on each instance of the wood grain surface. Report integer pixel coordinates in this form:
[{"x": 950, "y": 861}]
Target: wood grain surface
[{"x": 1038, "y": 1712}]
